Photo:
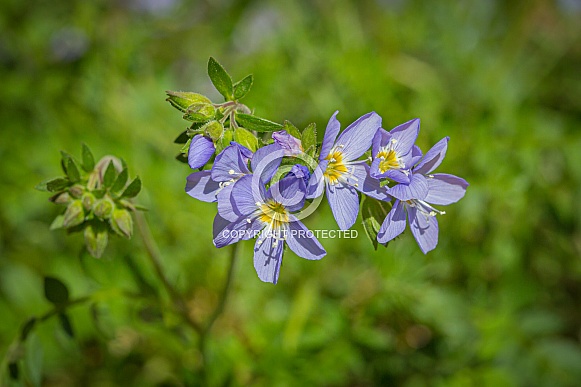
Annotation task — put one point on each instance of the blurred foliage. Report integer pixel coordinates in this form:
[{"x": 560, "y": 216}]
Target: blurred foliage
[{"x": 497, "y": 303}]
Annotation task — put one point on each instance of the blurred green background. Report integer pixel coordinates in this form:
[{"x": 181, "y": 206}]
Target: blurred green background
[{"x": 497, "y": 303}]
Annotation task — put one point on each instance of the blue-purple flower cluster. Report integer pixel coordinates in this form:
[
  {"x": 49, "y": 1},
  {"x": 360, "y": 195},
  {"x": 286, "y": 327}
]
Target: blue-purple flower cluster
[{"x": 256, "y": 200}]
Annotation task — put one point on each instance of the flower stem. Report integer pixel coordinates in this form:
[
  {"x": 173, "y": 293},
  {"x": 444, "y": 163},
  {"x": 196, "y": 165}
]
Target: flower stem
[{"x": 155, "y": 259}]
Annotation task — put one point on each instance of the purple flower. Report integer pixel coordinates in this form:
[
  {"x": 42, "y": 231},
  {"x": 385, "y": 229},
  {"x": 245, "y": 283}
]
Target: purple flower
[
  {"x": 417, "y": 198},
  {"x": 392, "y": 152},
  {"x": 339, "y": 171},
  {"x": 229, "y": 166},
  {"x": 267, "y": 214},
  {"x": 200, "y": 151},
  {"x": 292, "y": 146}
]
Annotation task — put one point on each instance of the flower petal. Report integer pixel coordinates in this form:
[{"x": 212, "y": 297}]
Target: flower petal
[
  {"x": 246, "y": 192},
  {"x": 331, "y": 133},
  {"x": 226, "y": 232},
  {"x": 405, "y": 136},
  {"x": 416, "y": 189},
  {"x": 200, "y": 151},
  {"x": 344, "y": 203},
  {"x": 445, "y": 189},
  {"x": 201, "y": 186},
  {"x": 357, "y": 137},
  {"x": 380, "y": 140},
  {"x": 394, "y": 223},
  {"x": 229, "y": 164},
  {"x": 424, "y": 228},
  {"x": 245, "y": 152},
  {"x": 291, "y": 145},
  {"x": 266, "y": 161},
  {"x": 226, "y": 207},
  {"x": 367, "y": 184},
  {"x": 303, "y": 242},
  {"x": 290, "y": 192},
  {"x": 268, "y": 258},
  {"x": 416, "y": 155},
  {"x": 433, "y": 157},
  {"x": 317, "y": 181}
]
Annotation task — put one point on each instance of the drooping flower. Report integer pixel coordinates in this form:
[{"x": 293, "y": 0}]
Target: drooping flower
[
  {"x": 392, "y": 152},
  {"x": 340, "y": 171},
  {"x": 267, "y": 214},
  {"x": 418, "y": 197},
  {"x": 200, "y": 151}
]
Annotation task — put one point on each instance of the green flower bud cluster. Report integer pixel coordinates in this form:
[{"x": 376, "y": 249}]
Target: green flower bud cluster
[
  {"x": 97, "y": 197},
  {"x": 220, "y": 122}
]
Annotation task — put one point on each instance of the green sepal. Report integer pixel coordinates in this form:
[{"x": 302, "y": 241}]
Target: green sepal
[
  {"x": 245, "y": 138},
  {"x": 222, "y": 143},
  {"x": 181, "y": 100},
  {"x": 214, "y": 130},
  {"x": 132, "y": 189},
  {"x": 120, "y": 181},
  {"x": 109, "y": 176},
  {"x": 258, "y": 124},
  {"x": 242, "y": 87},
  {"x": 88, "y": 161},
  {"x": 292, "y": 130},
  {"x": 186, "y": 147},
  {"x": 55, "y": 291},
  {"x": 96, "y": 238},
  {"x": 309, "y": 137},
  {"x": 373, "y": 213},
  {"x": 221, "y": 79},
  {"x": 57, "y": 223},
  {"x": 200, "y": 112}
]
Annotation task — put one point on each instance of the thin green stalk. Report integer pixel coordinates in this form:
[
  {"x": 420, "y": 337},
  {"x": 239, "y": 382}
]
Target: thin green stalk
[{"x": 155, "y": 259}]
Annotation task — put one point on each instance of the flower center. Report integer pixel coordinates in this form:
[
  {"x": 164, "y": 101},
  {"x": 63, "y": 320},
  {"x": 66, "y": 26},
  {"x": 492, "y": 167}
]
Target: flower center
[
  {"x": 336, "y": 167},
  {"x": 389, "y": 160},
  {"x": 274, "y": 214}
]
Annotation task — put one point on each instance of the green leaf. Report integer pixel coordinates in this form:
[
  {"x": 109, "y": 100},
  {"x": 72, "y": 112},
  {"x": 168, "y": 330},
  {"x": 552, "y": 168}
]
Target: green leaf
[
  {"x": 182, "y": 138},
  {"x": 27, "y": 328},
  {"x": 220, "y": 78},
  {"x": 88, "y": 159},
  {"x": 55, "y": 291},
  {"x": 96, "y": 239},
  {"x": 373, "y": 213},
  {"x": 73, "y": 170},
  {"x": 245, "y": 138},
  {"x": 120, "y": 181},
  {"x": 258, "y": 124},
  {"x": 109, "y": 176},
  {"x": 309, "y": 137},
  {"x": 66, "y": 324},
  {"x": 292, "y": 130},
  {"x": 53, "y": 185},
  {"x": 182, "y": 158},
  {"x": 132, "y": 189},
  {"x": 241, "y": 88}
]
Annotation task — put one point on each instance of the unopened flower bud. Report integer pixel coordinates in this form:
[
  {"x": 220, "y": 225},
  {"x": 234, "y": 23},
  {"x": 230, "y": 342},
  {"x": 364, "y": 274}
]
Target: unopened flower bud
[
  {"x": 76, "y": 191},
  {"x": 103, "y": 208},
  {"x": 200, "y": 112},
  {"x": 182, "y": 100},
  {"x": 214, "y": 130},
  {"x": 74, "y": 215},
  {"x": 122, "y": 222},
  {"x": 88, "y": 201},
  {"x": 61, "y": 198},
  {"x": 96, "y": 239}
]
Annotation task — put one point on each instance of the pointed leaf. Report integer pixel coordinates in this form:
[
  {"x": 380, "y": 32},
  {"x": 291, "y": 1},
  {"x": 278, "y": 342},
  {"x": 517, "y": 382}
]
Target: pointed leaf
[
  {"x": 220, "y": 78},
  {"x": 245, "y": 138},
  {"x": 291, "y": 129},
  {"x": 27, "y": 328},
  {"x": 55, "y": 291},
  {"x": 258, "y": 124},
  {"x": 241, "y": 88},
  {"x": 73, "y": 170},
  {"x": 53, "y": 185},
  {"x": 309, "y": 137},
  {"x": 110, "y": 174},
  {"x": 132, "y": 189},
  {"x": 182, "y": 138},
  {"x": 120, "y": 181},
  {"x": 373, "y": 213},
  {"x": 88, "y": 159},
  {"x": 66, "y": 324}
]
